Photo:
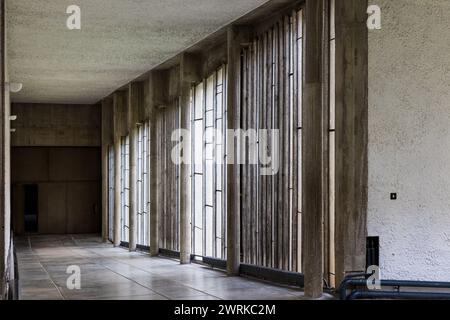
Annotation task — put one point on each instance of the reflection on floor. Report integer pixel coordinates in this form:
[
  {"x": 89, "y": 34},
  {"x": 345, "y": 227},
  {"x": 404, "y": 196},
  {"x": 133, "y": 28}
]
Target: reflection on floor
[{"x": 115, "y": 273}]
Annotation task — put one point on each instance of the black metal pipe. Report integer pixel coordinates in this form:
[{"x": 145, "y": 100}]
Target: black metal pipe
[
  {"x": 398, "y": 295},
  {"x": 351, "y": 280},
  {"x": 362, "y": 282}
]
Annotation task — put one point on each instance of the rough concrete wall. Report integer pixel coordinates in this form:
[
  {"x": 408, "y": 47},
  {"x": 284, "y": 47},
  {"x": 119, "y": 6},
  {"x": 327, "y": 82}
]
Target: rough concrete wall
[
  {"x": 57, "y": 125},
  {"x": 409, "y": 138},
  {"x": 68, "y": 181},
  {"x": 107, "y": 121},
  {"x": 120, "y": 114},
  {"x": 213, "y": 59}
]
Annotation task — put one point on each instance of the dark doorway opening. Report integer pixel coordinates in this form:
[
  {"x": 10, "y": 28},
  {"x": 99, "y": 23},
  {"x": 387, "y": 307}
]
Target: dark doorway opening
[
  {"x": 31, "y": 208},
  {"x": 372, "y": 251}
]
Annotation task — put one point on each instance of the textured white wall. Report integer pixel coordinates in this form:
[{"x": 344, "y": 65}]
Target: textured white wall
[{"x": 409, "y": 138}]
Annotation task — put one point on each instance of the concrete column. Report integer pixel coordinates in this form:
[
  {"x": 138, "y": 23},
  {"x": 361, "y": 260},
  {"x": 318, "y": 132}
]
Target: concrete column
[
  {"x": 154, "y": 223},
  {"x": 4, "y": 227},
  {"x": 104, "y": 192},
  {"x": 133, "y": 105},
  {"x": 154, "y": 227},
  {"x": 185, "y": 187},
  {"x": 314, "y": 150},
  {"x": 155, "y": 93},
  {"x": 351, "y": 137},
  {"x": 236, "y": 37},
  {"x": 117, "y": 164},
  {"x": 117, "y": 208},
  {"x": 189, "y": 74},
  {"x": 106, "y": 131}
]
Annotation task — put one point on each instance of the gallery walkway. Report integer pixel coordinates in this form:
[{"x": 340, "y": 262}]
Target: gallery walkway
[{"x": 115, "y": 273}]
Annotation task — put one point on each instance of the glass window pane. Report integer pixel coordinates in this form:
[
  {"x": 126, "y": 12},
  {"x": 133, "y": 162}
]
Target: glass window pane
[
  {"x": 210, "y": 93},
  {"x": 199, "y": 101},
  {"x": 209, "y": 119},
  {"x": 209, "y": 232},
  {"x": 198, "y": 146},
  {"x": 209, "y": 182}
]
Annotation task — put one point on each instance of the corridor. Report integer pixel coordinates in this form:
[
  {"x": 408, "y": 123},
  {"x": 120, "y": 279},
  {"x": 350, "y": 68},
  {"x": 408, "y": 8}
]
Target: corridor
[
  {"x": 115, "y": 273},
  {"x": 224, "y": 150}
]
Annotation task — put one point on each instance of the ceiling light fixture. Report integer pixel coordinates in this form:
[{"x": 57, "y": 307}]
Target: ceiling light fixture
[{"x": 14, "y": 87}]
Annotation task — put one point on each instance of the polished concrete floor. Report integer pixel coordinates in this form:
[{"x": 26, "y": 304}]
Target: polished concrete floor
[{"x": 115, "y": 273}]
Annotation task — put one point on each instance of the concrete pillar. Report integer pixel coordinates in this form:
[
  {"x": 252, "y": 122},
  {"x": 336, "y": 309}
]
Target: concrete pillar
[
  {"x": 117, "y": 165},
  {"x": 154, "y": 227},
  {"x": 155, "y": 93},
  {"x": 4, "y": 227},
  {"x": 154, "y": 223},
  {"x": 189, "y": 74},
  {"x": 106, "y": 133},
  {"x": 117, "y": 195},
  {"x": 235, "y": 38},
  {"x": 315, "y": 136},
  {"x": 133, "y": 105},
  {"x": 104, "y": 193},
  {"x": 351, "y": 136}
]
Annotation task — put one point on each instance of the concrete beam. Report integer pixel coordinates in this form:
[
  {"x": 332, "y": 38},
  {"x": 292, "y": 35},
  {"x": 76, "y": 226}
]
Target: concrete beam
[
  {"x": 189, "y": 75},
  {"x": 47, "y": 125},
  {"x": 157, "y": 92},
  {"x": 351, "y": 136}
]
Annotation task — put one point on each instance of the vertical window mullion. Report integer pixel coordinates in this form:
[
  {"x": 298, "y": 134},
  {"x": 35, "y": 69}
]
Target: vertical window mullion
[{"x": 332, "y": 136}]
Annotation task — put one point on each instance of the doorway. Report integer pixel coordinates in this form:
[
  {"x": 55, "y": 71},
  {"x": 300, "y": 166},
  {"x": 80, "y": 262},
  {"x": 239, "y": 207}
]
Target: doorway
[{"x": 31, "y": 208}]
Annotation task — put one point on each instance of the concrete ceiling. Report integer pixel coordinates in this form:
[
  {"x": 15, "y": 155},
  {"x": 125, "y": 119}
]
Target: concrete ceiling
[{"x": 118, "y": 41}]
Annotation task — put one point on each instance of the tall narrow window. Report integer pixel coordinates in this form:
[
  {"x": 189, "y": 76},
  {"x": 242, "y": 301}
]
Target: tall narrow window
[
  {"x": 298, "y": 85},
  {"x": 125, "y": 187},
  {"x": 208, "y": 150},
  {"x": 332, "y": 134},
  {"x": 220, "y": 167},
  {"x": 271, "y": 105},
  {"x": 110, "y": 192},
  {"x": 197, "y": 157},
  {"x": 143, "y": 183}
]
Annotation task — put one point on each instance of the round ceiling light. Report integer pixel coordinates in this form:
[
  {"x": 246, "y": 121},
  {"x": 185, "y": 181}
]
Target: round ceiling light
[{"x": 15, "y": 87}]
